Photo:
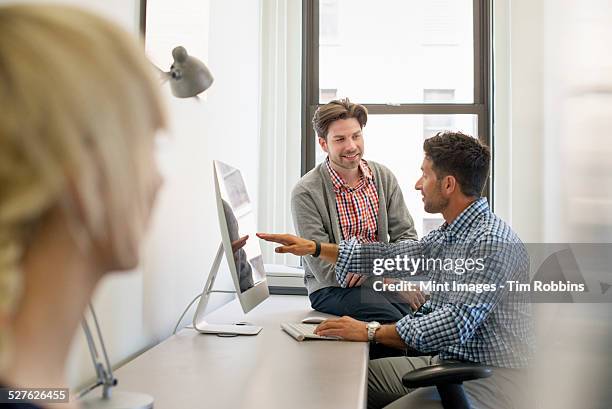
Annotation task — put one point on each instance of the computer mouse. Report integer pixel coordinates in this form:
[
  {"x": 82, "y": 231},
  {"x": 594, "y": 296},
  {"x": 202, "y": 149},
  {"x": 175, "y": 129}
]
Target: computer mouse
[{"x": 313, "y": 320}]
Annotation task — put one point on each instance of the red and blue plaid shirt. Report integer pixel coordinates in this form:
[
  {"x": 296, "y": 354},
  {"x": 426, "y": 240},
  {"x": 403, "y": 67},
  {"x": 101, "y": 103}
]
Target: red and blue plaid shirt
[{"x": 357, "y": 206}]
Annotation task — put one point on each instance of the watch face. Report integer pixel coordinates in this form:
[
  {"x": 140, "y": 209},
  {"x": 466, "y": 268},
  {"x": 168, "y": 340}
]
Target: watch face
[{"x": 372, "y": 328}]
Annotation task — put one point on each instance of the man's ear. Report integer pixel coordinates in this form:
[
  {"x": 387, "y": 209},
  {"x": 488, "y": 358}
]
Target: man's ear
[
  {"x": 449, "y": 185},
  {"x": 323, "y": 144}
]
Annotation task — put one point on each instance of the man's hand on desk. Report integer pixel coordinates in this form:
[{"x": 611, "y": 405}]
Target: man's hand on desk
[
  {"x": 352, "y": 330},
  {"x": 346, "y": 327}
]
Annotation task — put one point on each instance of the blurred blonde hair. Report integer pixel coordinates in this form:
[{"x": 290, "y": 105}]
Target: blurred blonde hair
[{"x": 79, "y": 110}]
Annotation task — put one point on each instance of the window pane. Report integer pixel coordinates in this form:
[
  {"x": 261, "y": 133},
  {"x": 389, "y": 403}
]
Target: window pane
[
  {"x": 397, "y": 51},
  {"x": 438, "y": 95},
  {"x": 396, "y": 141}
]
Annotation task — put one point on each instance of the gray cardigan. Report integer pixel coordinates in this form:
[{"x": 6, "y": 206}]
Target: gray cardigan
[{"x": 313, "y": 206}]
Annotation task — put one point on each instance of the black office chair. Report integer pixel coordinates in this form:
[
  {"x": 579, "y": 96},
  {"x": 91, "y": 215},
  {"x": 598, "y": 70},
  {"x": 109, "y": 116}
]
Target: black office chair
[{"x": 448, "y": 378}]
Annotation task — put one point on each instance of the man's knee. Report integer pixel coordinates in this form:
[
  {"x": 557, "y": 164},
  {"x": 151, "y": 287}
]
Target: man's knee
[
  {"x": 381, "y": 390},
  {"x": 385, "y": 378},
  {"x": 386, "y": 374}
]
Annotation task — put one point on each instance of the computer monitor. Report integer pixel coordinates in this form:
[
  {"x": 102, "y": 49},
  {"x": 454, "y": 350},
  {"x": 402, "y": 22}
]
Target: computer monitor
[
  {"x": 237, "y": 221},
  {"x": 243, "y": 255}
]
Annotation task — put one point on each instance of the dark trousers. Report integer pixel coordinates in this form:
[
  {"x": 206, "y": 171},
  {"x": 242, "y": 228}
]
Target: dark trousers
[{"x": 361, "y": 303}]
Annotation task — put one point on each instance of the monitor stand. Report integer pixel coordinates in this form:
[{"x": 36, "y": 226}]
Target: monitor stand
[{"x": 238, "y": 328}]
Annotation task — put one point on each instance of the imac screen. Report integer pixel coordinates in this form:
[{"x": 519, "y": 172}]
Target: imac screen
[{"x": 240, "y": 220}]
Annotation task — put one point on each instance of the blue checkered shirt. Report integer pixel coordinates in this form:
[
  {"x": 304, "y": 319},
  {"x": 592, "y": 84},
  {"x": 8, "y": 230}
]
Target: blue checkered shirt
[{"x": 489, "y": 327}]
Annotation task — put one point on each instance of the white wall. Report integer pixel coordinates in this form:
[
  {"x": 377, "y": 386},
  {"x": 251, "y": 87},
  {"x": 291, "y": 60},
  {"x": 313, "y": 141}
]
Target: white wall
[
  {"x": 139, "y": 309},
  {"x": 551, "y": 119},
  {"x": 518, "y": 110},
  {"x": 578, "y": 118}
]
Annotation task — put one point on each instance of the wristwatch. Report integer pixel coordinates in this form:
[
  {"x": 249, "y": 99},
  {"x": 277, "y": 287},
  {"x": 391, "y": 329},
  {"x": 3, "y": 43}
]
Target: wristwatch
[{"x": 372, "y": 328}]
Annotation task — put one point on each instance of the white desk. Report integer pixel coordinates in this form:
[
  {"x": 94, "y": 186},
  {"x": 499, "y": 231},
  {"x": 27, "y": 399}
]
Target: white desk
[{"x": 270, "y": 370}]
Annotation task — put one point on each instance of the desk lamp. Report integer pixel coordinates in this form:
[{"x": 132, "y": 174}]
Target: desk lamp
[{"x": 188, "y": 76}]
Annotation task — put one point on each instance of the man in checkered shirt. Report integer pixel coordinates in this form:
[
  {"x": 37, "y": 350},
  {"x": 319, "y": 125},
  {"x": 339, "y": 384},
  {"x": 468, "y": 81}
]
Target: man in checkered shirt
[{"x": 492, "y": 327}]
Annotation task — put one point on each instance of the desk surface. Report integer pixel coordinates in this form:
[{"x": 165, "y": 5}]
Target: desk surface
[{"x": 270, "y": 370}]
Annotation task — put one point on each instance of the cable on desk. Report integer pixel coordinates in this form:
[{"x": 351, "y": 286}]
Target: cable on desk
[{"x": 185, "y": 312}]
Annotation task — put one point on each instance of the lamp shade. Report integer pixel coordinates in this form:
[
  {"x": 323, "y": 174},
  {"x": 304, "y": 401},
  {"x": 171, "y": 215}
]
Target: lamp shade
[{"x": 188, "y": 75}]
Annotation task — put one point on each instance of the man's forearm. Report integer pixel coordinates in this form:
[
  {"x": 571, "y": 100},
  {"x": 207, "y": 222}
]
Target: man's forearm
[
  {"x": 329, "y": 252},
  {"x": 387, "y": 335}
]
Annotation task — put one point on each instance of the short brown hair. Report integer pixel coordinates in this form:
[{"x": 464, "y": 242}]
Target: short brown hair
[
  {"x": 335, "y": 110},
  {"x": 459, "y": 155}
]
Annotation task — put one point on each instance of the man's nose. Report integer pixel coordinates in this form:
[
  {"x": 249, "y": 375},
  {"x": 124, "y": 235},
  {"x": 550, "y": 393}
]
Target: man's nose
[
  {"x": 419, "y": 184},
  {"x": 352, "y": 146}
]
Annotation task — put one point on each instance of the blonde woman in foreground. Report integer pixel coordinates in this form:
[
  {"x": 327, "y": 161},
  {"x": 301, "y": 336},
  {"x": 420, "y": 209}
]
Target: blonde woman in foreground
[{"x": 77, "y": 177}]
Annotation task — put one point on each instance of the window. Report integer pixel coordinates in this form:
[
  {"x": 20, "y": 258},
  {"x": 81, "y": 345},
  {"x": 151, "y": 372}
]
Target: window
[{"x": 419, "y": 66}]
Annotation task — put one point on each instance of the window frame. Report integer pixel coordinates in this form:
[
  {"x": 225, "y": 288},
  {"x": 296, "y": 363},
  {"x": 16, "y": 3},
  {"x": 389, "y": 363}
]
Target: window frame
[{"x": 483, "y": 88}]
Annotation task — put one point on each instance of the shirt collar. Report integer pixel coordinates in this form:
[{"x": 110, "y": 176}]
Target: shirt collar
[
  {"x": 338, "y": 182},
  {"x": 462, "y": 222}
]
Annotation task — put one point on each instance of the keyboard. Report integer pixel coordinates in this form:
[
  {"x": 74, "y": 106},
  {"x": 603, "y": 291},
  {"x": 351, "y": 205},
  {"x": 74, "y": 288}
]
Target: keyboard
[{"x": 304, "y": 331}]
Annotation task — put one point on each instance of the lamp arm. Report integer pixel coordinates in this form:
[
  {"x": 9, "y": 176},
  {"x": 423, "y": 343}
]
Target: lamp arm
[
  {"x": 104, "y": 375},
  {"x": 164, "y": 76}
]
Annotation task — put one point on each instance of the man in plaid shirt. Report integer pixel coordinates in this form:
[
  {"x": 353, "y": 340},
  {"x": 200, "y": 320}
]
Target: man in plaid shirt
[{"x": 476, "y": 319}]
